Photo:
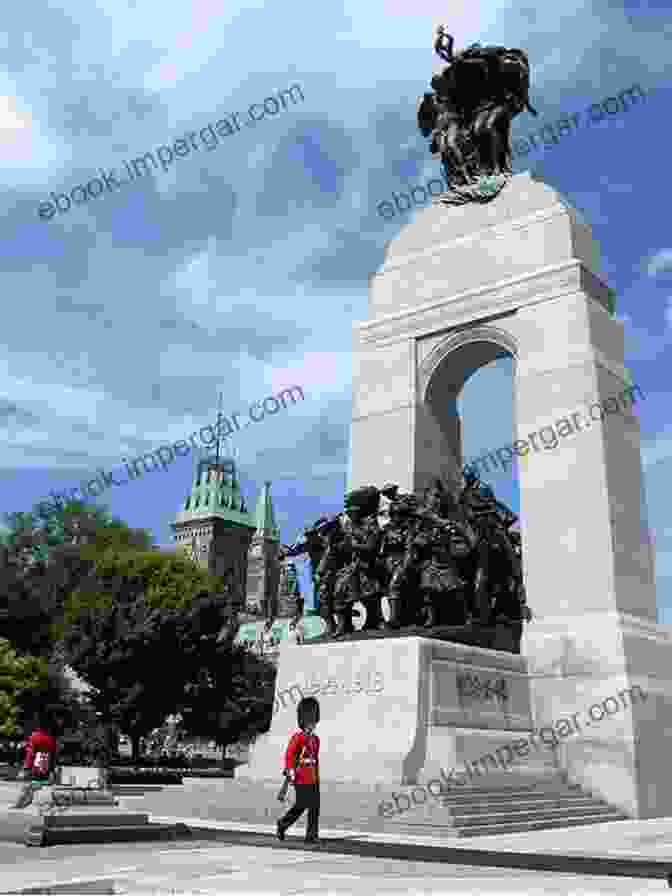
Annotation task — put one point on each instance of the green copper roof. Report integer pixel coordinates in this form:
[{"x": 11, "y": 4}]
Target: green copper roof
[
  {"x": 264, "y": 517},
  {"x": 216, "y": 492}
]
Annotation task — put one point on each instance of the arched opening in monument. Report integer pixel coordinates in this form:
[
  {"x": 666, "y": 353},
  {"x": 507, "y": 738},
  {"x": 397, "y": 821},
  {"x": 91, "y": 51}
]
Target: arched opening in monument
[{"x": 471, "y": 397}]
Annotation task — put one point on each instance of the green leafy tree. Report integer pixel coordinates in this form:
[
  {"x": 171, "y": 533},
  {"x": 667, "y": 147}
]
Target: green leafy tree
[
  {"x": 44, "y": 555},
  {"x": 231, "y": 698},
  {"x": 48, "y": 526},
  {"x": 135, "y": 631},
  {"x": 87, "y": 740},
  {"x": 20, "y": 678},
  {"x": 55, "y": 702},
  {"x": 35, "y": 690}
]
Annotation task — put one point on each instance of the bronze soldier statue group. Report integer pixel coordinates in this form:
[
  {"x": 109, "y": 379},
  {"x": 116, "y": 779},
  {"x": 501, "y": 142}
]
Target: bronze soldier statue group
[
  {"x": 468, "y": 114},
  {"x": 446, "y": 562}
]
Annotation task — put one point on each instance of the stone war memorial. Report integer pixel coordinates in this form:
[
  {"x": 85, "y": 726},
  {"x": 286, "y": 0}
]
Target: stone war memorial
[{"x": 451, "y": 628}]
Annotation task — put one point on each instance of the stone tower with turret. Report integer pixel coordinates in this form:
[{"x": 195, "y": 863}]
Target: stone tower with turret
[
  {"x": 215, "y": 527},
  {"x": 263, "y": 570}
]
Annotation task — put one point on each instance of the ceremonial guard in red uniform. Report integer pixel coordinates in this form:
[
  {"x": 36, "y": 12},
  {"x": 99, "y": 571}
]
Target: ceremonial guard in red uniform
[{"x": 302, "y": 770}]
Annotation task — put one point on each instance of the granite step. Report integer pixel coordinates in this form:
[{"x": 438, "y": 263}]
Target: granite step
[
  {"x": 546, "y": 824},
  {"x": 464, "y": 795},
  {"x": 446, "y": 830},
  {"x": 538, "y": 806},
  {"x": 98, "y": 819},
  {"x": 141, "y": 789},
  {"x": 466, "y": 819},
  {"x": 539, "y": 786},
  {"x": 40, "y": 835},
  {"x": 506, "y": 807},
  {"x": 495, "y": 796}
]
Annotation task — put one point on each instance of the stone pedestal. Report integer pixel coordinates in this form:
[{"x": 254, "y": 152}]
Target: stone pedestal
[
  {"x": 61, "y": 815},
  {"x": 399, "y": 710}
]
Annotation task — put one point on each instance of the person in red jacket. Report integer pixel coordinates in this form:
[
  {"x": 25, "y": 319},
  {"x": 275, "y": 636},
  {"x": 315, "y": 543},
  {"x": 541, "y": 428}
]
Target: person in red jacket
[
  {"x": 40, "y": 754},
  {"x": 303, "y": 771},
  {"x": 38, "y": 764}
]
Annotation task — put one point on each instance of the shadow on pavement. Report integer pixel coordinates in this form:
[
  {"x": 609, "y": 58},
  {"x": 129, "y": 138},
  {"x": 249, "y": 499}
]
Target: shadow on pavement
[{"x": 599, "y": 866}]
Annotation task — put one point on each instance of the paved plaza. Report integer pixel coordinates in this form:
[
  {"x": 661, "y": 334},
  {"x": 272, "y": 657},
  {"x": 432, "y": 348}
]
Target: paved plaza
[
  {"x": 233, "y": 850},
  {"x": 216, "y": 868}
]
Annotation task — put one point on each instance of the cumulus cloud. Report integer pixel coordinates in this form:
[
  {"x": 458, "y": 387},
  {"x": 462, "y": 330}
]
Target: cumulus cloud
[{"x": 660, "y": 263}]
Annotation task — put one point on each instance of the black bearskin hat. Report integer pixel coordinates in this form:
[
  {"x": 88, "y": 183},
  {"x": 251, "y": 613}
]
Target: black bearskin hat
[
  {"x": 308, "y": 712},
  {"x": 365, "y": 499}
]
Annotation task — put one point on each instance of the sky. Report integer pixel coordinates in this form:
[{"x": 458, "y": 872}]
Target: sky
[{"x": 241, "y": 268}]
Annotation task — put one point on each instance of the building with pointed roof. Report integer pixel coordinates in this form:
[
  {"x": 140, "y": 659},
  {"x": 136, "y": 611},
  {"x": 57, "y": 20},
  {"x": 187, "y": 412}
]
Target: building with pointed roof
[
  {"x": 215, "y": 527},
  {"x": 218, "y": 532}
]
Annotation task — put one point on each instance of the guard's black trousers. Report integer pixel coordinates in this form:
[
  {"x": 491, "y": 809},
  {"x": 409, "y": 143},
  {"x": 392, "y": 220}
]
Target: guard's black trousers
[{"x": 307, "y": 797}]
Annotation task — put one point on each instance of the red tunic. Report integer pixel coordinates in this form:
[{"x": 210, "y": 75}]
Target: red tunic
[
  {"x": 40, "y": 742},
  {"x": 302, "y": 754}
]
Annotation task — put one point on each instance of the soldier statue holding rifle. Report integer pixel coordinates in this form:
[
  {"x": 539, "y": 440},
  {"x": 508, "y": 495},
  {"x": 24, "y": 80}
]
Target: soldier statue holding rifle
[{"x": 447, "y": 564}]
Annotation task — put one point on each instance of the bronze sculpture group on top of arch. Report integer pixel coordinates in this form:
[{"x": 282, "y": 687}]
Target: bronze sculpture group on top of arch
[
  {"x": 446, "y": 565},
  {"x": 468, "y": 115}
]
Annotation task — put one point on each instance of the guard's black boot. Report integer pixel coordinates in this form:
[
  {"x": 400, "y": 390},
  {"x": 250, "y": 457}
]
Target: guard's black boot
[
  {"x": 341, "y": 625},
  {"x": 430, "y": 617},
  {"x": 394, "y": 621},
  {"x": 330, "y": 624}
]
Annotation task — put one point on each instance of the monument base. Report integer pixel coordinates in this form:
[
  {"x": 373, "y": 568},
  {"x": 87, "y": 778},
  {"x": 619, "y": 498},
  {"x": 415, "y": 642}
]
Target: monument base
[
  {"x": 398, "y": 711},
  {"x": 609, "y": 674}
]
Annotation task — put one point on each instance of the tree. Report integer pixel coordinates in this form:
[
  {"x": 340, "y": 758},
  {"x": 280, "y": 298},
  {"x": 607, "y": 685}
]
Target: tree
[
  {"x": 20, "y": 677},
  {"x": 232, "y": 696},
  {"x": 78, "y": 522},
  {"x": 44, "y": 555},
  {"x": 87, "y": 740},
  {"x": 135, "y": 630}
]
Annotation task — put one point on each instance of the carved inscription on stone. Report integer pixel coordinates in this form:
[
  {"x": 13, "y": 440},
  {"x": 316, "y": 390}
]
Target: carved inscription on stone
[{"x": 473, "y": 688}]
